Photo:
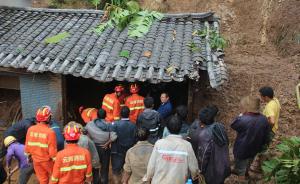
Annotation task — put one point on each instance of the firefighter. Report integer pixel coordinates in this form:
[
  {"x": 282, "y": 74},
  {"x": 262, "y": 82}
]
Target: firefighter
[
  {"x": 40, "y": 145},
  {"x": 73, "y": 164},
  {"x": 111, "y": 104},
  {"x": 135, "y": 103},
  {"x": 88, "y": 114}
]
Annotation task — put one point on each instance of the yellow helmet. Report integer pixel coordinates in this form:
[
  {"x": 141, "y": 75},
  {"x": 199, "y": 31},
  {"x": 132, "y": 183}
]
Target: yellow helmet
[{"x": 8, "y": 140}]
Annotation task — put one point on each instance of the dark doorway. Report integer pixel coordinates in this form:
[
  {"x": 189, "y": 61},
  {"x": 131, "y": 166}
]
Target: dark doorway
[{"x": 89, "y": 93}]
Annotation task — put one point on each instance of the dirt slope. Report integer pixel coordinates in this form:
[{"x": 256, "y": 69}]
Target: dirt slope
[{"x": 264, "y": 50}]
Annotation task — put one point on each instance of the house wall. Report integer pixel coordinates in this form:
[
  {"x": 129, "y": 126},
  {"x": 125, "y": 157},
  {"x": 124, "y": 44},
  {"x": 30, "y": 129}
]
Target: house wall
[{"x": 38, "y": 90}]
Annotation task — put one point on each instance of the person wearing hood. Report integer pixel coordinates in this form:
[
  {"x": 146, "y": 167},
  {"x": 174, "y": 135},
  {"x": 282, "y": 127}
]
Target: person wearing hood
[
  {"x": 150, "y": 119},
  {"x": 252, "y": 135},
  {"x": 213, "y": 151},
  {"x": 99, "y": 131}
]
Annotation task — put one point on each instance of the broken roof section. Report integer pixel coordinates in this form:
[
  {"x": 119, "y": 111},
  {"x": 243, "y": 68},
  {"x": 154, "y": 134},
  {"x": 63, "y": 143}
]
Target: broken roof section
[{"x": 164, "y": 54}]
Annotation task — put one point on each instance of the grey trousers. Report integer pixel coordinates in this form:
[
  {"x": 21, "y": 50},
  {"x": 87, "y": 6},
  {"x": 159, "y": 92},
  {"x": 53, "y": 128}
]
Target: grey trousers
[{"x": 25, "y": 174}]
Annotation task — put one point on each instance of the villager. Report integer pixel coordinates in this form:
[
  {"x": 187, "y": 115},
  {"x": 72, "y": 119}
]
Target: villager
[
  {"x": 111, "y": 104},
  {"x": 181, "y": 112},
  {"x": 195, "y": 127},
  {"x": 165, "y": 108},
  {"x": 137, "y": 158},
  {"x": 272, "y": 108},
  {"x": 16, "y": 150},
  {"x": 126, "y": 138},
  {"x": 252, "y": 135},
  {"x": 102, "y": 136},
  {"x": 150, "y": 119},
  {"x": 41, "y": 146},
  {"x": 135, "y": 103},
  {"x": 172, "y": 158},
  {"x": 213, "y": 152},
  {"x": 73, "y": 164}
]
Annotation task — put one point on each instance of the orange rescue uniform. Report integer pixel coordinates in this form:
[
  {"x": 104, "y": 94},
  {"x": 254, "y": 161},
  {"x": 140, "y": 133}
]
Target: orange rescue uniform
[
  {"x": 135, "y": 103},
  {"x": 111, "y": 105},
  {"x": 72, "y": 165},
  {"x": 89, "y": 114},
  {"x": 41, "y": 145}
]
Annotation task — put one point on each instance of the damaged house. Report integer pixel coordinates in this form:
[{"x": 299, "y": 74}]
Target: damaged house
[{"x": 83, "y": 67}]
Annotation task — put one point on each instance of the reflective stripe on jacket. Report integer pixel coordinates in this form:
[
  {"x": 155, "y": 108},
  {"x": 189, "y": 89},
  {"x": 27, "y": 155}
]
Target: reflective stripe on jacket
[
  {"x": 135, "y": 103},
  {"x": 111, "y": 105},
  {"x": 41, "y": 143},
  {"x": 72, "y": 165},
  {"x": 89, "y": 114}
]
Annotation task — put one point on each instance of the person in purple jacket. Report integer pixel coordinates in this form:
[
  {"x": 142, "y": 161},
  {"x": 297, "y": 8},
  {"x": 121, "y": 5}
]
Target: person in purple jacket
[{"x": 16, "y": 150}]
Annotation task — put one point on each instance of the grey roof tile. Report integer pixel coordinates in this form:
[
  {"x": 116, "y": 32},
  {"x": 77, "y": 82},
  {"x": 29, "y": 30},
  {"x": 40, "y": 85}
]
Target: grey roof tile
[{"x": 162, "y": 55}]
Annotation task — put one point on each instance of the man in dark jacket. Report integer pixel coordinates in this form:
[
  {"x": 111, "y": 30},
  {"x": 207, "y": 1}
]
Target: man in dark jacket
[
  {"x": 126, "y": 138},
  {"x": 213, "y": 151},
  {"x": 165, "y": 108},
  {"x": 181, "y": 113},
  {"x": 150, "y": 119},
  {"x": 252, "y": 135}
]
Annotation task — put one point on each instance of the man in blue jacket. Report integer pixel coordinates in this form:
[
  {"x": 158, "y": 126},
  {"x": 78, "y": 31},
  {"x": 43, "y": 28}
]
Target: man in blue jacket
[{"x": 165, "y": 109}]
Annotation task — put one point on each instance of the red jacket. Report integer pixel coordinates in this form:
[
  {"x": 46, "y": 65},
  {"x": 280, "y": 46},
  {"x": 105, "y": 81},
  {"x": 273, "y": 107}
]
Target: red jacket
[
  {"x": 72, "y": 165},
  {"x": 41, "y": 143},
  {"x": 111, "y": 105},
  {"x": 135, "y": 103}
]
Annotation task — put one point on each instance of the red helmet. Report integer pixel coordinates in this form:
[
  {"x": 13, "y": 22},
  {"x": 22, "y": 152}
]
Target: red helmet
[
  {"x": 119, "y": 88},
  {"x": 134, "y": 88},
  {"x": 72, "y": 133},
  {"x": 43, "y": 114}
]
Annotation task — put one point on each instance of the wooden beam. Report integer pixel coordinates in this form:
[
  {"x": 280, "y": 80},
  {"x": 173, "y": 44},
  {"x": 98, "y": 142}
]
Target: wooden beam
[{"x": 14, "y": 70}]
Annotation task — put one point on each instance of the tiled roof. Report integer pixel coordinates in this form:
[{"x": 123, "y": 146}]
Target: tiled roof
[{"x": 90, "y": 55}]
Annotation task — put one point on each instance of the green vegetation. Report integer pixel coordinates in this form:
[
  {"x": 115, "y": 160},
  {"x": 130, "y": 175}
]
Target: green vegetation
[
  {"x": 215, "y": 40},
  {"x": 128, "y": 14},
  {"x": 285, "y": 168},
  {"x": 193, "y": 47},
  {"x": 124, "y": 53},
  {"x": 57, "y": 38}
]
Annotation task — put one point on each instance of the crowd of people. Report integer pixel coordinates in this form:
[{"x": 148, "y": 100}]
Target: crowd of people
[{"x": 143, "y": 145}]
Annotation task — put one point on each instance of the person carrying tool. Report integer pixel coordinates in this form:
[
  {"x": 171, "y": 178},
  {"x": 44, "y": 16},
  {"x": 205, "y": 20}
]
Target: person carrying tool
[
  {"x": 73, "y": 164},
  {"x": 16, "y": 150},
  {"x": 111, "y": 104},
  {"x": 40, "y": 145},
  {"x": 88, "y": 114},
  {"x": 135, "y": 103}
]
